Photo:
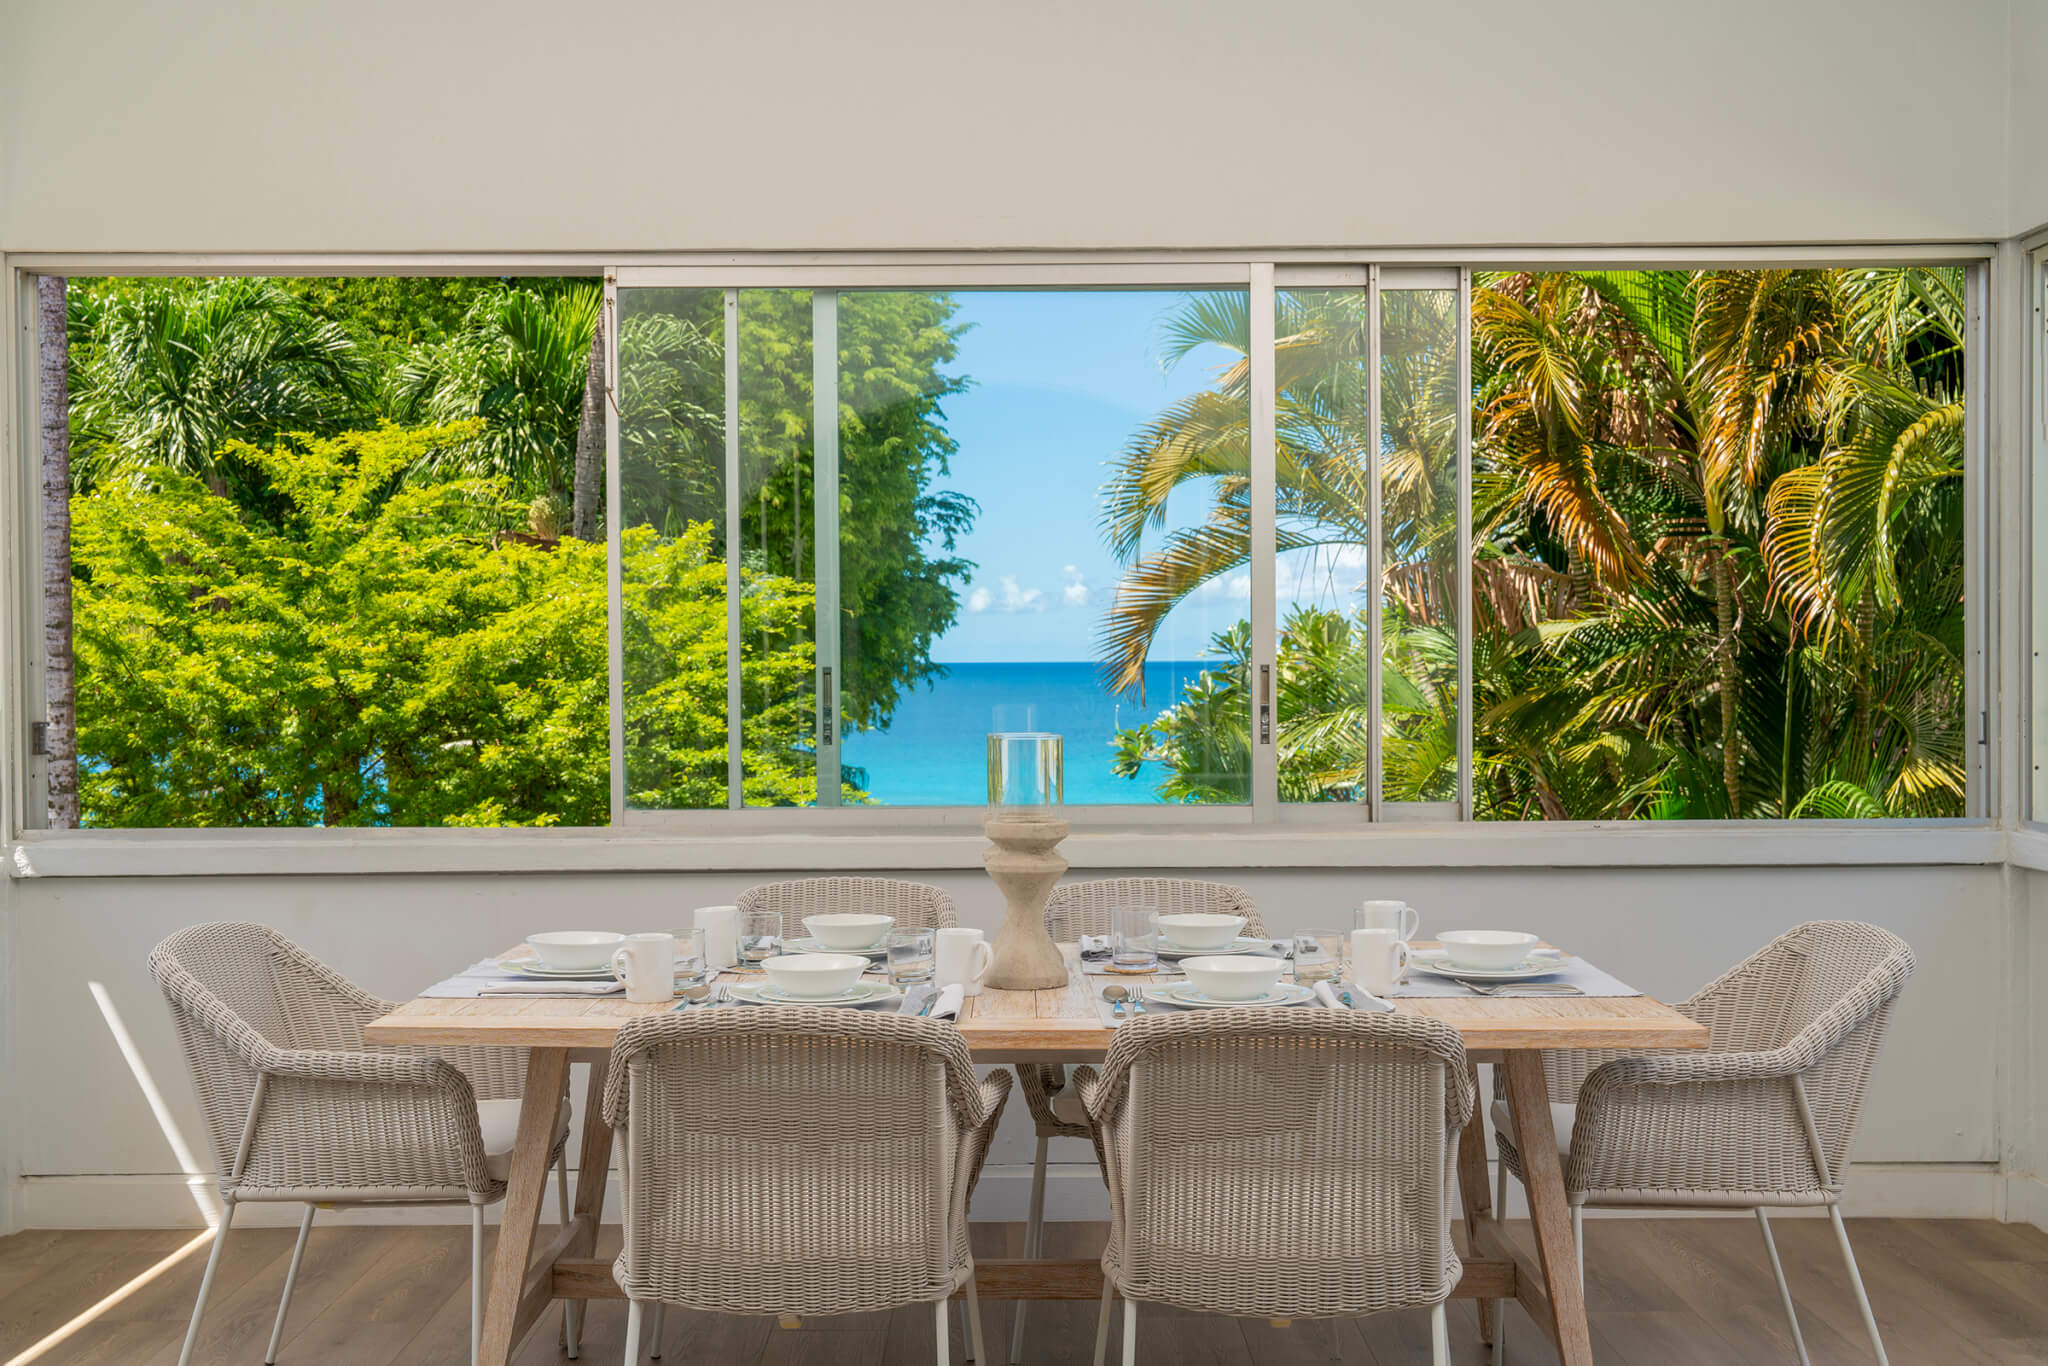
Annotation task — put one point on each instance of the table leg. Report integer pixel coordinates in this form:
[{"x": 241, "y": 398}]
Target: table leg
[
  {"x": 1473, "y": 1189},
  {"x": 525, "y": 1187},
  {"x": 593, "y": 1172},
  {"x": 1549, "y": 1211}
]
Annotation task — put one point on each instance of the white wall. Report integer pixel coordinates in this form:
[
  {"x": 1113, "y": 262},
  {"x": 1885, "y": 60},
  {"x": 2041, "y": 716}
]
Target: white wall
[
  {"x": 2029, "y": 116},
  {"x": 374, "y": 125},
  {"x": 92, "y": 1151}
]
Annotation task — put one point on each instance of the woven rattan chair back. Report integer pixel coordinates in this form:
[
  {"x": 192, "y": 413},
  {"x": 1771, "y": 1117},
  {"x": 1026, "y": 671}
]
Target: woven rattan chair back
[
  {"x": 1283, "y": 1164},
  {"x": 916, "y": 905},
  {"x": 794, "y": 1160},
  {"x": 1078, "y": 908}
]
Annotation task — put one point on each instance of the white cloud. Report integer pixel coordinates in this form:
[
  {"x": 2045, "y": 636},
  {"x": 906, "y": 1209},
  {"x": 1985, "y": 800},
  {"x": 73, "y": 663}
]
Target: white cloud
[
  {"x": 1075, "y": 594},
  {"x": 1013, "y": 597}
]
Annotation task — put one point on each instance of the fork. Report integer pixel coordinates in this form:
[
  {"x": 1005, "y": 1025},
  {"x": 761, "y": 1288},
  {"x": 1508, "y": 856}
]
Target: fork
[{"x": 1523, "y": 989}]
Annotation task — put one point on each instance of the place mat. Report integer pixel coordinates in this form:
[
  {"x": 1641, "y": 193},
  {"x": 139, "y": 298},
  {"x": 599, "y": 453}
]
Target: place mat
[
  {"x": 1590, "y": 981},
  {"x": 469, "y": 984},
  {"x": 1099, "y": 967}
]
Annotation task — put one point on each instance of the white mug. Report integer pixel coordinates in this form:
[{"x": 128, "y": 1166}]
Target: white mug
[
  {"x": 960, "y": 959},
  {"x": 1397, "y": 916},
  {"x": 721, "y": 926},
  {"x": 1377, "y": 960},
  {"x": 646, "y": 963}
]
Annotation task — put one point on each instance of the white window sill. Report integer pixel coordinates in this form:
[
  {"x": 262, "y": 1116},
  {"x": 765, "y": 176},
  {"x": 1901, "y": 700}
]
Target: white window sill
[{"x": 201, "y": 853}]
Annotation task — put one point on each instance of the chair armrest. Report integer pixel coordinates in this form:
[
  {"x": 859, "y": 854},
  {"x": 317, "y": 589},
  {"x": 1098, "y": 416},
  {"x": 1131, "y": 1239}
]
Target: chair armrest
[
  {"x": 388, "y": 1069},
  {"x": 1089, "y": 1085},
  {"x": 1679, "y": 1069}
]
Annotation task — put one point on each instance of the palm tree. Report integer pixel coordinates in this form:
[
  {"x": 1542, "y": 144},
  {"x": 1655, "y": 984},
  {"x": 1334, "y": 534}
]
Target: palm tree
[
  {"x": 171, "y": 372},
  {"x": 59, "y": 679},
  {"x": 522, "y": 362}
]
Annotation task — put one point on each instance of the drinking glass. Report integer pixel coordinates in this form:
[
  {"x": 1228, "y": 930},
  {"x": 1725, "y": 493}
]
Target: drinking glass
[
  {"x": 1318, "y": 956},
  {"x": 1135, "y": 939},
  {"x": 760, "y": 937},
  {"x": 692, "y": 969},
  {"x": 910, "y": 957}
]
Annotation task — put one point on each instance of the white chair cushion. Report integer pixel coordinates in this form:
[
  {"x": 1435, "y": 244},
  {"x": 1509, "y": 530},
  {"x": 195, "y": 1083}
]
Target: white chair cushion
[
  {"x": 1562, "y": 1117},
  {"x": 1067, "y": 1107},
  {"x": 499, "y": 1119}
]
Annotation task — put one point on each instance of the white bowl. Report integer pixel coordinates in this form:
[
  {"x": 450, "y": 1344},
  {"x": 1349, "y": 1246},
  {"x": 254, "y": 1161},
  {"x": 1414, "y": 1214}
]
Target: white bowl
[
  {"x": 1486, "y": 950},
  {"x": 813, "y": 974},
  {"x": 1233, "y": 977},
  {"x": 1199, "y": 931},
  {"x": 848, "y": 930},
  {"x": 575, "y": 950}
]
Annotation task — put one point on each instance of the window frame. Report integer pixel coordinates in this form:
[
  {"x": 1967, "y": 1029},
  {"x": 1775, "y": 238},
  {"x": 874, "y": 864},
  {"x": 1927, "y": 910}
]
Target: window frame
[{"x": 1258, "y": 833}]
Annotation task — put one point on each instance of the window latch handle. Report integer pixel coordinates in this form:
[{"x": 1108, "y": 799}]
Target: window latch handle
[
  {"x": 1265, "y": 704},
  {"x": 825, "y": 706}
]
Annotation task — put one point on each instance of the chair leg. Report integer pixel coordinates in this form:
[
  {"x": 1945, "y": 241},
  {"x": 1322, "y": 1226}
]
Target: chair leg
[
  {"x": 1439, "y": 1337},
  {"x": 1500, "y": 1307},
  {"x": 476, "y": 1282},
  {"x": 1579, "y": 1242},
  {"x": 1500, "y": 1192},
  {"x": 572, "y": 1310},
  {"x": 660, "y": 1323},
  {"x": 632, "y": 1357},
  {"x": 1856, "y": 1280},
  {"x": 1763, "y": 1223},
  {"x": 939, "y": 1325},
  {"x": 1034, "y": 1242},
  {"x": 220, "y": 1238},
  {"x": 975, "y": 1348},
  {"x": 1130, "y": 1332},
  {"x": 1500, "y": 1332},
  {"x": 291, "y": 1279},
  {"x": 1102, "y": 1323},
  {"x": 966, "y": 1334}
]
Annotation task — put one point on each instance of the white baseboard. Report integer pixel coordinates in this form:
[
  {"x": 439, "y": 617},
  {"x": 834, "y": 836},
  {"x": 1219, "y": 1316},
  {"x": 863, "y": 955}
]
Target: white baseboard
[{"x": 1073, "y": 1192}]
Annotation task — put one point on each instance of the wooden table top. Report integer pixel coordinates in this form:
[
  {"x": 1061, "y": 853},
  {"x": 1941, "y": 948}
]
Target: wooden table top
[{"x": 1058, "y": 1024}]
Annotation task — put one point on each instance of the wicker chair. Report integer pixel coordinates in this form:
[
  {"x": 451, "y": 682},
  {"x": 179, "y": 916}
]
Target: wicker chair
[
  {"x": 1280, "y": 1164},
  {"x": 916, "y": 905},
  {"x": 300, "y": 1109},
  {"x": 802, "y": 1160},
  {"x": 1763, "y": 1119},
  {"x": 1075, "y": 909}
]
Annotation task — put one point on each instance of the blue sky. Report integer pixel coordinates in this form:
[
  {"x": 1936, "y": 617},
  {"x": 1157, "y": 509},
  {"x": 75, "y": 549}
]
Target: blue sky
[{"x": 1060, "y": 382}]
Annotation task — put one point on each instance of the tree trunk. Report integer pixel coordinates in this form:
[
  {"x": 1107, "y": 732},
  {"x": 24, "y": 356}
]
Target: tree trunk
[
  {"x": 1724, "y": 623},
  {"x": 589, "y": 485},
  {"x": 59, "y": 678}
]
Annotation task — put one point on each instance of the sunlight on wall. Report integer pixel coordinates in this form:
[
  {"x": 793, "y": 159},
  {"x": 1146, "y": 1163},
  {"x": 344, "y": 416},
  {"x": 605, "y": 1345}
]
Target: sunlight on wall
[{"x": 197, "y": 1179}]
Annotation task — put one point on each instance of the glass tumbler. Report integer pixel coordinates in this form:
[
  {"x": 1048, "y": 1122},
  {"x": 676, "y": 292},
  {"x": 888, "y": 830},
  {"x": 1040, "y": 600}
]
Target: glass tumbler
[
  {"x": 910, "y": 957},
  {"x": 760, "y": 937},
  {"x": 1135, "y": 939},
  {"x": 691, "y": 967},
  {"x": 1319, "y": 956}
]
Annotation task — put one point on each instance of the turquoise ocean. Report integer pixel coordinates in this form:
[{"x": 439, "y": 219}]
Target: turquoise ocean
[{"x": 935, "y": 751}]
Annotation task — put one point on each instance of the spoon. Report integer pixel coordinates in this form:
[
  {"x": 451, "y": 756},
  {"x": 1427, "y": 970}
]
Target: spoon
[
  {"x": 694, "y": 995},
  {"x": 1117, "y": 996}
]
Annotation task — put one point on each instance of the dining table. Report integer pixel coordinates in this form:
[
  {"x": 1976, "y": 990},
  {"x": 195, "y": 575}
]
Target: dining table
[{"x": 1052, "y": 1025}]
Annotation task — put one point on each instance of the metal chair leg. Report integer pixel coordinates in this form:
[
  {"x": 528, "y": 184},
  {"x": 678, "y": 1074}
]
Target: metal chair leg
[
  {"x": 973, "y": 1301},
  {"x": 476, "y": 1282},
  {"x": 1856, "y": 1280},
  {"x": 1763, "y": 1223},
  {"x": 1130, "y": 1333},
  {"x": 660, "y": 1324},
  {"x": 1034, "y": 1242},
  {"x": 632, "y": 1357},
  {"x": 291, "y": 1279},
  {"x": 1439, "y": 1337},
  {"x": 572, "y": 1310},
  {"x": 939, "y": 1324},
  {"x": 220, "y": 1238},
  {"x": 966, "y": 1333},
  {"x": 1102, "y": 1324},
  {"x": 1579, "y": 1242}
]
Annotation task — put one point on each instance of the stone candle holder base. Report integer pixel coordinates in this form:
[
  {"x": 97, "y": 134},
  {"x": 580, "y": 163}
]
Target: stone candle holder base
[{"x": 1025, "y": 862}]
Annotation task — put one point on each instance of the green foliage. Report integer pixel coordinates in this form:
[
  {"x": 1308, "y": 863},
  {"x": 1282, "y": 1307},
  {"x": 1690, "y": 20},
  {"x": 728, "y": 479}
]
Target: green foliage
[{"x": 379, "y": 652}]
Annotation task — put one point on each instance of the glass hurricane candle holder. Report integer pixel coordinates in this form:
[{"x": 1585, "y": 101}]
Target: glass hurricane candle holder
[{"x": 1026, "y": 772}]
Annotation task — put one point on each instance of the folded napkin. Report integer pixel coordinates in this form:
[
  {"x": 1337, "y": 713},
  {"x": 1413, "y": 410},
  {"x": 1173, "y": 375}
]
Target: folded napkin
[
  {"x": 1361, "y": 999},
  {"x": 528, "y": 987},
  {"x": 1095, "y": 946},
  {"x": 947, "y": 1006}
]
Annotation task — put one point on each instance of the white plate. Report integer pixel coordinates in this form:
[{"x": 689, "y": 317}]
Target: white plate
[
  {"x": 806, "y": 945},
  {"x": 1184, "y": 994},
  {"x": 1237, "y": 945},
  {"x": 859, "y": 994},
  {"x": 1529, "y": 970},
  {"x": 533, "y": 967}
]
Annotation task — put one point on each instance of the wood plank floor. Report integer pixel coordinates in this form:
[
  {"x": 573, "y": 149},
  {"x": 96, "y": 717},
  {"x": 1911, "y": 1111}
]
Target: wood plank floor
[{"x": 1666, "y": 1292}]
